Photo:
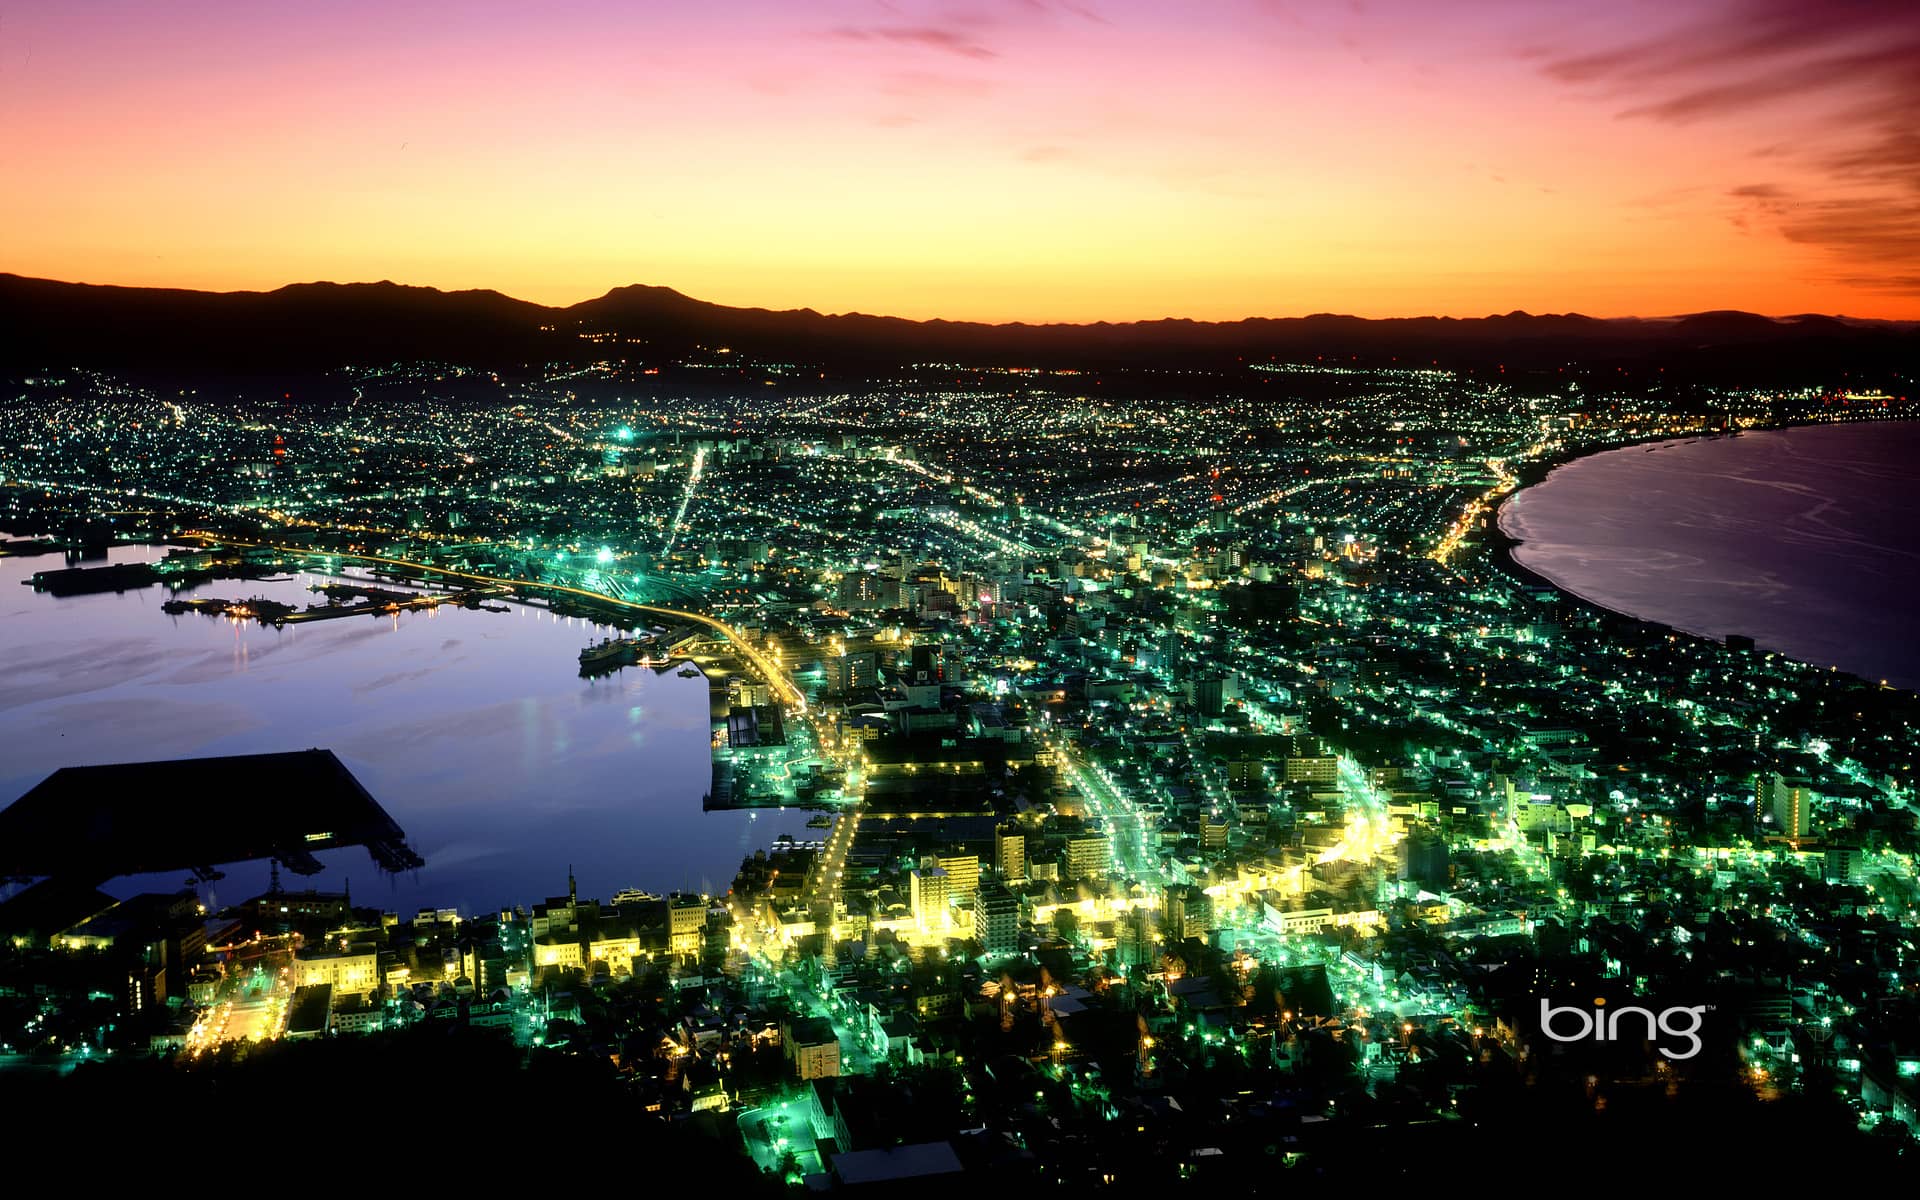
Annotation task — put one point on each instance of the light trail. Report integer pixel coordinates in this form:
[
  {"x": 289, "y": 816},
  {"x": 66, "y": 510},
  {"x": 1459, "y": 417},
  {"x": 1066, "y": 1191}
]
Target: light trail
[{"x": 686, "y": 498}]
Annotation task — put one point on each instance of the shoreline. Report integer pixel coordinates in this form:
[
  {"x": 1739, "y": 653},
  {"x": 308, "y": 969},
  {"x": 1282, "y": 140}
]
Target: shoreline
[{"x": 1499, "y": 545}]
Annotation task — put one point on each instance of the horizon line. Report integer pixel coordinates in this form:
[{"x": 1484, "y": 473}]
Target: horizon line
[{"x": 1027, "y": 322}]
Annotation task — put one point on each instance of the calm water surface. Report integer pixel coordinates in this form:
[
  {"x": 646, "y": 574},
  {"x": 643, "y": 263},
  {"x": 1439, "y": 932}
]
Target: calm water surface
[
  {"x": 1806, "y": 540},
  {"x": 472, "y": 728}
]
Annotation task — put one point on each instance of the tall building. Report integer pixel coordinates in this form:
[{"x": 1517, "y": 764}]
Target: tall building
[
  {"x": 929, "y": 664},
  {"x": 1789, "y": 801},
  {"x": 999, "y": 919},
  {"x": 1423, "y": 858},
  {"x": 963, "y": 874},
  {"x": 812, "y": 1047},
  {"x": 686, "y": 922},
  {"x": 856, "y": 671},
  {"x": 1312, "y": 768},
  {"x": 1087, "y": 856},
  {"x": 1187, "y": 912},
  {"x": 859, "y": 591},
  {"x": 1010, "y": 853},
  {"x": 1213, "y": 832},
  {"x": 1134, "y": 942},
  {"x": 928, "y": 888}
]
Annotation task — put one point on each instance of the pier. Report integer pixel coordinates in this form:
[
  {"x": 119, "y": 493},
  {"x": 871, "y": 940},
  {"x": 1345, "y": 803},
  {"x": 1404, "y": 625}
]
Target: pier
[
  {"x": 373, "y": 602},
  {"x": 92, "y": 824}
]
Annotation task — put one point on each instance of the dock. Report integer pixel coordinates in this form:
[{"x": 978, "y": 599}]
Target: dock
[
  {"x": 374, "y": 602},
  {"x": 91, "y": 824}
]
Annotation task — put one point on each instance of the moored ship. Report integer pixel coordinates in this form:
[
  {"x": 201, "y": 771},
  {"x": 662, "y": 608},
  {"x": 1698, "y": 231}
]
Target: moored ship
[{"x": 609, "y": 654}]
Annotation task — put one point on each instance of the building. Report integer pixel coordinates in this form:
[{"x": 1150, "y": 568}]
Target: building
[
  {"x": 929, "y": 664},
  {"x": 1213, "y": 833},
  {"x": 1087, "y": 856},
  {"x": 617, "y": 950},
  {"x": 560, "y": 914},
  {"x": 1187, "y": 912},
  {"x": 1789, "y": 802},
  {"x": 1312, "y": 768},
  {"x": 686, "y": 922},
  {"x": 1010, "y": 853},
  {"x": 856, "y": 671},
  {"x": 963, "y": 875},
  {"x": 749, "y": 693},
  {"x": 1133, "y": 945},
  {"x": 352, "y": 971},
  {"x": 277, "y": 909},
  {"x": 888, "y": 1167},
  {"x": 999, "y": 919},
  {"x": 310, "y": 1014},
  {"x": 1423, "y": 858},
  {"x": 812, "y": 1047},
  {"x": 928, "y": 887},
  {"x": 357, "y": 1016}
]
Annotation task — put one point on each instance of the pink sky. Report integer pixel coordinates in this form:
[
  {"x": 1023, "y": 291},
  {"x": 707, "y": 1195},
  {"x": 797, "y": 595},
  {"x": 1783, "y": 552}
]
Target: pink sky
[{"x": 1022, "y": 159}]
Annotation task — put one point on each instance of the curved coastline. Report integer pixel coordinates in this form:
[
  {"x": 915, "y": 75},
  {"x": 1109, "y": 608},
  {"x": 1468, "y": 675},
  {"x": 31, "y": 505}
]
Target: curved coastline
[{"x": 1501, "y": 544}]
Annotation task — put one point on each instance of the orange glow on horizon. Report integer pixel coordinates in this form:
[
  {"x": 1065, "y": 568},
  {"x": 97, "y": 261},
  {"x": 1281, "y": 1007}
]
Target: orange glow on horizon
[{"x": 1036, "y": 164}]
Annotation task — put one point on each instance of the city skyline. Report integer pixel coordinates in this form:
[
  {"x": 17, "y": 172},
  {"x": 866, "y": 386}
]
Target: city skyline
[
  {"x": 995, "y": 162},
  {"x": 945, "y": 597}
]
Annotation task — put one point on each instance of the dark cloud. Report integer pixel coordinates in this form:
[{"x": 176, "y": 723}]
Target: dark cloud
[
  {"x": 1869, "y": 230},
  {"x": 1832, "y": 86},
  {"x": 1801, "y": 83}
]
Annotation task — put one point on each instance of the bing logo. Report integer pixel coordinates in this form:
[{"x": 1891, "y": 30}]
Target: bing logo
[{"x": 1604, "y": 1024}]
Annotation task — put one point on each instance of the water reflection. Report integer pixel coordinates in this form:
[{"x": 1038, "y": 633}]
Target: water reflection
[{"x": 472, "y": 728}]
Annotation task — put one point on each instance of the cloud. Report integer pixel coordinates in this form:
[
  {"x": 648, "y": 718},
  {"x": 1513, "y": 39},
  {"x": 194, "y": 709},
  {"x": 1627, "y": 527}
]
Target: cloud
[
  {"x": 973, "y": 32},
  {"x": 1796, "y": 85},
  {"x": 1831, "y": 88},
  {"x": 947, "y": 41}
]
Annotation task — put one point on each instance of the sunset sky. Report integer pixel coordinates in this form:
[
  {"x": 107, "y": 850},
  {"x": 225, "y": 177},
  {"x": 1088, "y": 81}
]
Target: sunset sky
[{"x": 1005, "y": 160}]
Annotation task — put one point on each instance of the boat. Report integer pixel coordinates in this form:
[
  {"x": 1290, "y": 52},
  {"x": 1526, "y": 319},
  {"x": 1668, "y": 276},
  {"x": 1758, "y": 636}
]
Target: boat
[
  {"x": 688, "y": 671},
  {"x": 609, "y": 653}
]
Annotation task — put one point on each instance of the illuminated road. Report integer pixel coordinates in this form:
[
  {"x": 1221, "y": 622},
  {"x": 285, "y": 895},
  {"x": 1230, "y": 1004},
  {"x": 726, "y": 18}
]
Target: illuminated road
[
  {"x": 1480, "y": 506},
  {"x": 823, "y": 882},
  {"x": 1126, "y": 831},
  {"x": 686, "y": 498},
  {"x": 1369, "y": 831}
]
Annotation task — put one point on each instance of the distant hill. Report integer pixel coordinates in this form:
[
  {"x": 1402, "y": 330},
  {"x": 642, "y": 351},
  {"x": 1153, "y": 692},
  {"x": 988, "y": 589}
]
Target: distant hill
[{"x": 317, "y": 325}]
